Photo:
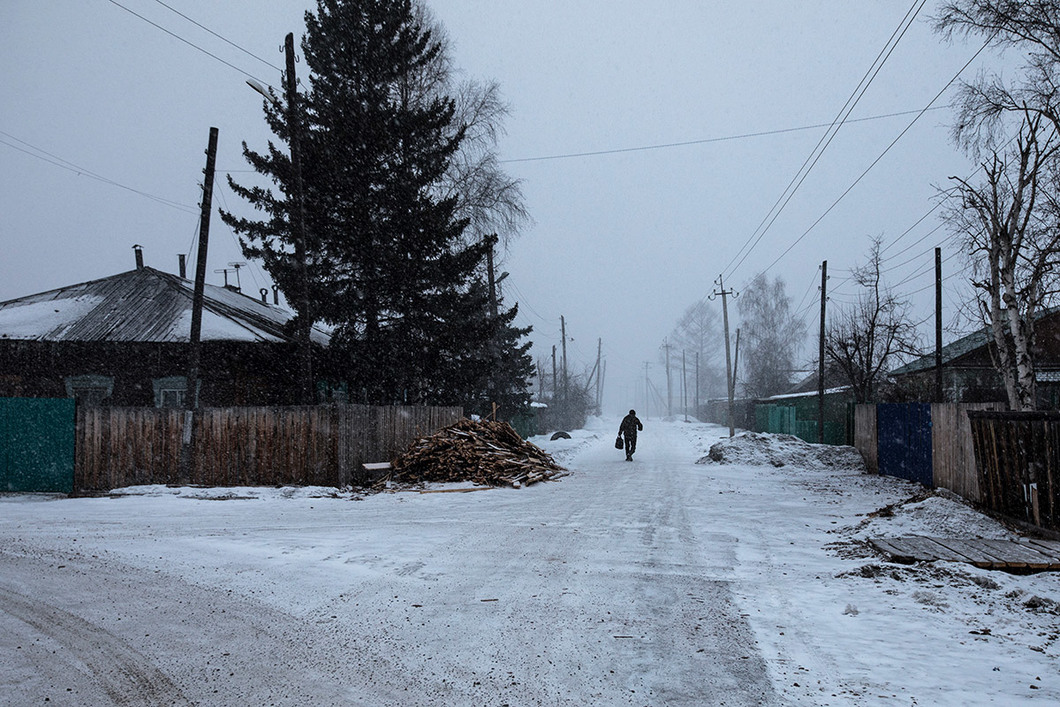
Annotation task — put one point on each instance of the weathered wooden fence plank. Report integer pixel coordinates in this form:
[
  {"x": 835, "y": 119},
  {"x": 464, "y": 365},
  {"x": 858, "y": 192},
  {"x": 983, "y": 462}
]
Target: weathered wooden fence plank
[
  {"x": 953, "y": 454},
  {"x": 865, "y": 435},
  {"x": 1018, "y": 455}
]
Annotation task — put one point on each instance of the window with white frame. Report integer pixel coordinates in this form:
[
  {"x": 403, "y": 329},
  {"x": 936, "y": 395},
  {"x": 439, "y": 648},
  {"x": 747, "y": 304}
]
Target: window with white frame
[
  {"x": 171, "y": 391},
  {"x": 89, "y": 390}
]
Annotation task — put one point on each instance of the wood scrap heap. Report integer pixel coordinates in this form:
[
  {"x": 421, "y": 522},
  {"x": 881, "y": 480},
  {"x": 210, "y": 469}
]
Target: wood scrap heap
[{"x": 483, "y": 452}]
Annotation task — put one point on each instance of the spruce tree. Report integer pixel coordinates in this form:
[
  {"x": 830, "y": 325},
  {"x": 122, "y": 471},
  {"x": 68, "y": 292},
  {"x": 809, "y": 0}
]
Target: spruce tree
[{"x": 389, "y": 268}]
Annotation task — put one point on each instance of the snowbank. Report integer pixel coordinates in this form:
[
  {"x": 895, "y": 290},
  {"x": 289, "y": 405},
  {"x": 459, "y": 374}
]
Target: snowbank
[{"x": 762, "y": 449}]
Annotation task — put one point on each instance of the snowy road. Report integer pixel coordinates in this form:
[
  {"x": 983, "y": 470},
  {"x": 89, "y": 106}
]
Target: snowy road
[{"x": 659, "y": 582}]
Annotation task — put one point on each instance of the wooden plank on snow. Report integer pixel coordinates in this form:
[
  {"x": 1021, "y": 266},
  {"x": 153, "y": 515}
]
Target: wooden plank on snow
[
  {"x": 1021, "y": 555},
  {"x": 976, "y": 553}
]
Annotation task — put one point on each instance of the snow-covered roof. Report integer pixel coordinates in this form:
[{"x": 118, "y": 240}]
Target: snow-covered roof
[{"x": 142, "y": 305}]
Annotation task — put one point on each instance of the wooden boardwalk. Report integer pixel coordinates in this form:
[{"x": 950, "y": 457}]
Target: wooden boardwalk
[{"x": 1024, "y": 554}]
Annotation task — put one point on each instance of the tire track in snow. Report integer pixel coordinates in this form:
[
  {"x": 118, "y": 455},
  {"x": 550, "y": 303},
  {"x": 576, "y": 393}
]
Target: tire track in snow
[{"x": 127, "y": 676}]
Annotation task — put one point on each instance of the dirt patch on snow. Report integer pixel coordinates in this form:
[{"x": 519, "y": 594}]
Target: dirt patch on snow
[{"x": 779, "y": 450}]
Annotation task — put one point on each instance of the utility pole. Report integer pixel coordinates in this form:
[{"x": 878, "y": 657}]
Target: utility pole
[
  {"x": 305, "y": 322},
  {"x": 684, "y": 385},
  {"x": 647, "y": 393},
  {"x": 820, "y": 355},
  {"x": 697, "y": 386},
  {"x": 600, "y": 389},
  {"x": 669, "y": 387},
  {"x": 736, "y": 360},
  {"x": 191, "y": 389},
  {"x": 599, "y": 352},
  {"x": 492, "y": 279},
  {"x": 566, "y": 380},
  {"x": 555, "y": 390},
  {"x": 938, "y": 326},
  {"x": 728, "y": 354}
]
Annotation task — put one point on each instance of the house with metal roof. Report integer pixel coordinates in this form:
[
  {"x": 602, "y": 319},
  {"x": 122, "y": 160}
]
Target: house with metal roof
[
  {"x": 124, "y": 340},
  {"x": 968, "y": 372}
]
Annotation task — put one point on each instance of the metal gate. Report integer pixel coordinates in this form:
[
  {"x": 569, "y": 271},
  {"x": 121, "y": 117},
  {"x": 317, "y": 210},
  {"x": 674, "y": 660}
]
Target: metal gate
[
  {"x": 37, "y": 444},
  {"x": 904, "y": 441}
]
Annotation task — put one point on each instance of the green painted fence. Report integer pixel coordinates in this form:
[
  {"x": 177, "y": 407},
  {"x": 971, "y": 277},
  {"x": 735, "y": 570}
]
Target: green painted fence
[
  {"x": 37, "y": 445},
  {"x": 798, "y": 417}
]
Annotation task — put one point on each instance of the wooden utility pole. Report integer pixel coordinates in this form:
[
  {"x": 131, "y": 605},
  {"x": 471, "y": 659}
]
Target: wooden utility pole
[
  {"x": 566, "y": 380},
  {"x": 820, "y": 355},
  {"x": 647, "y": 393},
  {"x": 598, "y": 369},
  {"x": 938, "y": 326},
  {"x": 492, "y": 279},
  {"x": 728, "y": 353},
  {"x": 736, "y": 360},
  {"x": 669, "y": 387},
  {"x": 306, "y": 394},
  {"x": 555, "y": 390},
  {"x": 191, "y": 388},
  {"x": 684, "y": 385},
  {"x": 600, "y": 389},
  {"x": 697, "y": 386}
]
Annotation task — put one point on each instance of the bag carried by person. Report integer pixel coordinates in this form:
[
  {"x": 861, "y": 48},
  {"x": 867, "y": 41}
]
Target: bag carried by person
[{"x": 618, "y": 442}]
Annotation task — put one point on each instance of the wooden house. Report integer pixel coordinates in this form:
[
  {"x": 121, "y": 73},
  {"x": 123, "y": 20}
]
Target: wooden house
[
  {"x": 968, "y": 373},
  {"x": 124, "y": 340}
]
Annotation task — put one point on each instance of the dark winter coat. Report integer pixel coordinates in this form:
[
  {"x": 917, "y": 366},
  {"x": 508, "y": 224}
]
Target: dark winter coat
[{"x": 630, "y": 425}]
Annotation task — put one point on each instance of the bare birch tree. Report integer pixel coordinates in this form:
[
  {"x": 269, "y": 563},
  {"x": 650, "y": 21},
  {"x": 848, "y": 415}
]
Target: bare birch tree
[
  {"x": 1009, "y": 223},
  {"x": 988, "y": 105}
]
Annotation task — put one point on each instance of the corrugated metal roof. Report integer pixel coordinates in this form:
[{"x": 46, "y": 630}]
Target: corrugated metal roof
[{"x": 144, "y": 305}]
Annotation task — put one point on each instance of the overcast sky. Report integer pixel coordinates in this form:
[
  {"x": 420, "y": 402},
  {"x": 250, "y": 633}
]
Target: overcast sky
[{"x": 105, "y": 120}]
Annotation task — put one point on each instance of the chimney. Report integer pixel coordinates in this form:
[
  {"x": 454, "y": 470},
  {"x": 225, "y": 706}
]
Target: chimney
[
  {"x": 139, "y": 250},
  {"x": 264, "y": 295},
  {"x": 275, "y": 294},
  {"x": 182, "y": 264}
]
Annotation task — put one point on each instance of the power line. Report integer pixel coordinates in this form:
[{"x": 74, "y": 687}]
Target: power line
[
  {"x": 69, "y": 166},
  {"x": 222, "y": 38},
  {"x": 189, "y": 43},
  {"x": 877, "y": 160},
  {"x": 704, "y": 141},
  {"x": 815, "y": 155}
]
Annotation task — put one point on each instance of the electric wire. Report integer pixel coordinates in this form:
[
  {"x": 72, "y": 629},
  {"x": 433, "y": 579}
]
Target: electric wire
[
  {"x": 221, "y": 37},
  {"x": 188, "y": 42},
  {"x": 875, "y": 161},
  {"x": 826, "y": 139},
  {"x": 56, "y": 161},
  {"x": 704, "y": 141}
]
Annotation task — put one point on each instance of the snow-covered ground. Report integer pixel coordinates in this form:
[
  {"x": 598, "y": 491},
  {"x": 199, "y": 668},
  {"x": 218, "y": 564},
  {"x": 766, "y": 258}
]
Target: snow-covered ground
[{"x": 664, "y": 581}]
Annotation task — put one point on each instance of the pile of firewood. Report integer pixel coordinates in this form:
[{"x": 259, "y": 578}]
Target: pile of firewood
[{"x": 484, "y": 452}]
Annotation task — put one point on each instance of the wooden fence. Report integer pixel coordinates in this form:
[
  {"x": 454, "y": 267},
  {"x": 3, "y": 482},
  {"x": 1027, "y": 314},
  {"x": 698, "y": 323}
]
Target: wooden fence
[
  {"x": 1018, "y": 455},
  {"x": 318, "y": 445},
  {"x": 865, "y": 435},
  {"x": 953, "y": 461},
  {"x": 952, "y": 450}
]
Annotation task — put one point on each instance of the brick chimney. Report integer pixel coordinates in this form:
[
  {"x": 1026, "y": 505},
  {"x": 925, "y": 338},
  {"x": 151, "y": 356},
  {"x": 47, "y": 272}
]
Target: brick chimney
[{"x": 139, "y": 250}]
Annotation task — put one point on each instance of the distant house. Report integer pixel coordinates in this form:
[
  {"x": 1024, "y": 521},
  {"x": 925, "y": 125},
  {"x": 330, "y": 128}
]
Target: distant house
[
  {"x": 124, "y": 341},
  {"x": 968, "y": 373}
]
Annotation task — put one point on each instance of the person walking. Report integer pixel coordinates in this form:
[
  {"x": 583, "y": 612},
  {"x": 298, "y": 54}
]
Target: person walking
[{"x": 628, "y": 429}]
